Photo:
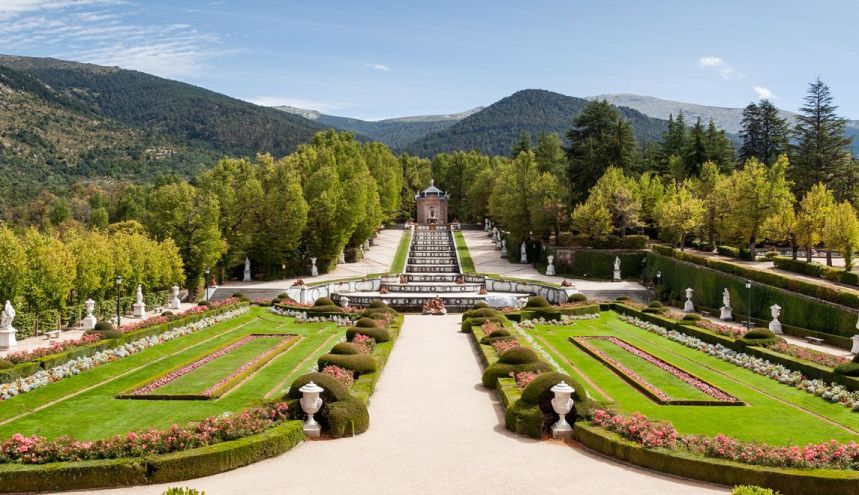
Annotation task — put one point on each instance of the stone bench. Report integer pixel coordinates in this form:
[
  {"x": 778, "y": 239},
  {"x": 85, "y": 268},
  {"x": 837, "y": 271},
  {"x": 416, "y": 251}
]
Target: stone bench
[
  {"x": 814, "y": 340},
  {"x": 52, "y": 334}
]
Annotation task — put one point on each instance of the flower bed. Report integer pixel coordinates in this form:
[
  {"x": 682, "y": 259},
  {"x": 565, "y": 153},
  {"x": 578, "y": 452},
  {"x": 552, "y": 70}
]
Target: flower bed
[
  {"x": 565, "y": 321},
  {"x": 826, "y": 455},
  {"x": 364, "y": 343},
  {"x": 52, "y": 348},
  {"x": 732, "y": 331},
  {"x": 504, "y": 345},
  {"x": 212, "y": 430},
  {"x": 345, "y": 376},
  {"x": 806, "y": 354},
  {"x": 830, "y": 392},
  {"x": 77, "y": 365},
  {"x": 649, "y": 389},
  {"x": 302, "y": 317},
  {"x": 222, "y": 385}
]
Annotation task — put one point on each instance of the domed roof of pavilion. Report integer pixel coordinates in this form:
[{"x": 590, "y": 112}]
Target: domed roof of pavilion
[{"x": 431, "y": 191}]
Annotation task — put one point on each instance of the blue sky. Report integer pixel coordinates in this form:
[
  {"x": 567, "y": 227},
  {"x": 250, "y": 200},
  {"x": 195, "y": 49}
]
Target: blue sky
[{"x": 377, "y": 59}]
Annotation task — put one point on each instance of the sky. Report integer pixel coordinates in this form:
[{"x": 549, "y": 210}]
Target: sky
[{"x": 378, "y": 59}]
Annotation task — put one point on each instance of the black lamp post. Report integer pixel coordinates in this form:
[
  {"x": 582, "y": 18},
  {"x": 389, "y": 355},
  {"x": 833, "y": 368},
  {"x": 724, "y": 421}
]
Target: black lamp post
[
  {"x": 118, "y": 281},
  {"x": 749, "y": 287},
  {"x": 658, "y": 282},
  {"x": 206, "y": 281}
]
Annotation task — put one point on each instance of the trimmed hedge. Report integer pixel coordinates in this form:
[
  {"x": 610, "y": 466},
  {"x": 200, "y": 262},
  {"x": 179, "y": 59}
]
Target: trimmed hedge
[
  {"x": 816, "y": 270},
  {"x": 359, "y": 363},
  {"x": 467, "y": 325},
  {"x": 344, "y": 348},
  {"x": 195, "y": 463},
  {"x": 807, "y": 309},
  {"x": 366, "y": 323},
  {"x": 532, "y": 415},
  {"x": 500, "y": 370},
  {"x": 598, "y": 264},
  {"x": 501, "y": 334},
  {"x": 480, "y": 313},
  {"x": 342, "y": 414},
  {"x": 378, "y": 334},
  {"x": 788, "y": 481},
  {"x": 518, "y": 355}
]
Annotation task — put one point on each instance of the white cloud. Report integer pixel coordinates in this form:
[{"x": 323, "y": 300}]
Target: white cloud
[
  {"x": 764, "y": 93},
  {"x": 725, "y": 70},
  {"x": 13, "y": 8},
  {"x": 279, "y": 101},
  {"x": 381, "y": 67}
]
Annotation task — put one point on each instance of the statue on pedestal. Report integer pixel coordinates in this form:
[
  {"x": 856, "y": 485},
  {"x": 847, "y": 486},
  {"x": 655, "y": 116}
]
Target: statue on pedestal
[
  {"x": 174, "y": 303},
  {"x": 616, "y": 275},
  {"x": 139, "y": 306},
  {"x": 88, "y": 323},
  {"x": 689, "y": 307},
  {"x": 247, "y": 277},
  {"x": 523, "y": 257},
  {"x": 7, "y": 331},
  {"x": 313, "y": 270},
  {"x": 726, "y": 306},
  {"x": 550, "y": 270}
]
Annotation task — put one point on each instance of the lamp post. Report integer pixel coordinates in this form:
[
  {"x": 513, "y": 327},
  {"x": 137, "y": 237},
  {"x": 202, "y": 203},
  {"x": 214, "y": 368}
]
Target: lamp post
[
  {"x": 658, "y": 282},
  {"x": 206, "y": 281},
  {"x": 749, "y": 320},
  {"x": 118, "y": 281}
]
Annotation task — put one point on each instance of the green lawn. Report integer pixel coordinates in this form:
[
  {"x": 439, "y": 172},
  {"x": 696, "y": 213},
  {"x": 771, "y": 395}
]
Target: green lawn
[
  {"x": 774, "y": 413},
  {"x": 399, "y": 263},
  {"x": 464, "y": 256},
  {"x": 85, "y": 406}
]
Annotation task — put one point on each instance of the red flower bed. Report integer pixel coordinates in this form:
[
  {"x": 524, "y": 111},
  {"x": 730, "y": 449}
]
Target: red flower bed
[
  {"x": 804, "y": 353},
  {"x": 363, "y": 343},
  {"x": 826, "y": 455},
  {"x": 523, "y": 378},
  {"x": 504, "y": 345},
  {"x": 212, "y": 430},
  {"x": 52, "y": 348},
  {"x": 345, "y": 376}
]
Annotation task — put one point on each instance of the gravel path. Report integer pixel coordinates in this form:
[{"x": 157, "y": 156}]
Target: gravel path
[{"x": 436, "y": 430}]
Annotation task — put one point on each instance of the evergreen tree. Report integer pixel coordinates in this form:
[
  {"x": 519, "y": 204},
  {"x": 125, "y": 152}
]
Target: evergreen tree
[
  {"x": 822, "y": 150},
  {"x": 719, "y": 148},
  {"x": 696, "y": 152},
  {"x": 765, "y": 134},
  {"x": 600, "y": 138},
  {"x": 522, "y": 145},
  {"x": 550, "y": 155},
  {"x": 674, "y": 139}
]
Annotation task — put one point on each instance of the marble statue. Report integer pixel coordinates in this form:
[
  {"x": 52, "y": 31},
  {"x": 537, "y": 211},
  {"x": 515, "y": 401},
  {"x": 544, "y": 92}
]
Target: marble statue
[
  {"x": 503, "y": 248},
  {"x": 7, "y": 331},
  {"x": 523, "y": 258},
  {"x": 775, "y": 325},
  {"x": 616, "y": 274},
  {"x": 726, "y": 306},
  {"x": 550, "y": 270},
  {"x": 313, "y": 270},
  {"x": 139, "y": 306},
  {"x": 247, "y": 277}
]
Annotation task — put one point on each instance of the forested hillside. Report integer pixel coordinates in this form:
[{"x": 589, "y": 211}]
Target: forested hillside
[{"x": 494, "y": 129}]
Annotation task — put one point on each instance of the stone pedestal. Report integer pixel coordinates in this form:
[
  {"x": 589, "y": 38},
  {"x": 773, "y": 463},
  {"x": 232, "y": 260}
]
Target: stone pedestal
[
  {"x": 174, "y": 302},
  {"x": 688, "y": 306},
  {"x": 616, "y": 276},
  {"x": 139, "y": 309},
  {"x": 88, "y": 323},
  {"x": 7, "y": 339},
  {"x": 855, "y": 349},
  {"x": 775, "y": 325},
  {"x": 725, "y": 314}
]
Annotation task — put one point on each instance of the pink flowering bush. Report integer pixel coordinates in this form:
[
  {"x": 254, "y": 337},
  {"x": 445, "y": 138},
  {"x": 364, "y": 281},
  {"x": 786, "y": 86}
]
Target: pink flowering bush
[
  {"x": 826, "y": 455},
  {"x": 363, "y": 343},
  {"x": 490, "y": 327},
  {"x": 212, "y": 430},
  {"x": 52, "y": 348},
  {"x": 345, "y": 376},
  {"x": 523, "y": 378},
  {"x": 504, "y": 345},
  {"x": 732, "y": 331},
  {"x": 804, "y": 353}
]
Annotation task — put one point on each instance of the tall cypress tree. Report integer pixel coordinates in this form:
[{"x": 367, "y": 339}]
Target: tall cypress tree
[
  {"x": 822, "y": 151},
  {"x": 522, "y": 145},
  {"x": 695, "y": 153},
  {"x": 674, "y": 138},
  {"x": 719, "y": 148},
  {"x": 765, "y": 134}
]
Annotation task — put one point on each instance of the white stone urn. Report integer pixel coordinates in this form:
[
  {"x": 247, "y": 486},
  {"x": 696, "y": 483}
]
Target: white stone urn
[
  {"x": 310, "y": 404},
  {"x": 550, "y": 270},
  {"x": 562, "y": 405},
  {"x": 139, "y": 306},
  {"x": 689, "y": 307},
  {"x": 175, "y": 303},
  {"x": 7, "y": 331},
  {"x": 523, "y": 256},
  {"x": 314, "y": 272},
  {"x": 503, "y": 248},
  {"x": 775, "y": 325},
  {"x": 89, "y": 321}
]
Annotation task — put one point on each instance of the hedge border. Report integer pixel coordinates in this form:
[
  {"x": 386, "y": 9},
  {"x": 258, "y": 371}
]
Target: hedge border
[
  {"x": 817, "y": 270},
  {"x": 788, "y": 481},
  {"x": 27, "y": 368},
  {"x": 177, "y": 466}
]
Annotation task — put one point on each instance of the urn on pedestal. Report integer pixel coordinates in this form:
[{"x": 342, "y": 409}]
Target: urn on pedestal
[
  {"x": 775, "y": 325},
  {"x": 562, "y": 405},
  {"x": 310, "y": 404},
  {"x": 550, "y": 269},
  {"x": 89, "y": 321},
  {"x": 688, "y": 306}
]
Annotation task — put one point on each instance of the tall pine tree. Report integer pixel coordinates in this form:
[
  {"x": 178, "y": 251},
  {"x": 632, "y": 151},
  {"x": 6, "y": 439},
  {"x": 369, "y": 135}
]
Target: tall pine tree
[
  {"x": 765, "y": 134},
  {"x": 822, "y": 150}
]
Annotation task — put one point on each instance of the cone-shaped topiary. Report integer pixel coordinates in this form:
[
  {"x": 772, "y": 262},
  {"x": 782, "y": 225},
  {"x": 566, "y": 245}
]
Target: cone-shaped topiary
[
  {"x": 324, "y": 301},
  {"x": 537, "y": 302},
  {"x": 366, "y": 323},
  {"x": 344, "y": 348},
  {"x": 578, "y": 297},
  {"x": 518, "y": 355},
  {"x": 378, "y": 334},
  {"x": 359, "y": 363}
]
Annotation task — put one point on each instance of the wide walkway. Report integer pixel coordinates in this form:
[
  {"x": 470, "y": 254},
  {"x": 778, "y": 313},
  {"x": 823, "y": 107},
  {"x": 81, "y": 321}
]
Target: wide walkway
[{"x": 435, "y": 429}]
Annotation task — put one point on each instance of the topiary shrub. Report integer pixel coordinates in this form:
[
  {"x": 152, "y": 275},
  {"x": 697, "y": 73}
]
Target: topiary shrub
[
  {"x": 378, "y": 305},
  {"x": 533, "y": 415},
  {"x": 753, "y": 490},
  {"x": 324, "y": 301},
  {"x": 167, "y": 314},
  {"x": 759, "y": 337},
  {"x": 496, "y": 335},
  {"x": 578, "y": 297},
  {"x": 502, "y": 370},
  {"x": 5, "y": 364},
  {"x": 366, "y": 323},
  {"x": 344, "y": 348},
  {"x": 341, "y": 415},
  {"x": 466, "y": 325},
  {"x": 359, "y": 363},
  {"x": 481, "y": 305},
  {"x": 102, "y": 326},
  {"x": 518, "y": 355},
  {"x": 537, "y": 302},
  {"x": 655, "y": 305},
  {"x": 378, "y": 334},
  {"x": 480, "y": 313},
  {"x": 691, "y": 317},
  {"x": 205, "y": 304},
  {"x": 847, "y": 369},
  {"x": 110, "y": 334}
]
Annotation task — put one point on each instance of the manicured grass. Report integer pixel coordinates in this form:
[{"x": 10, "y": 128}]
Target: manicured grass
[
  {"x": 774, "y": 413},
  {"x": 399, "y": 263},
  {"x": 464, "y": 256},
  {"x": 85, "y": 406}
]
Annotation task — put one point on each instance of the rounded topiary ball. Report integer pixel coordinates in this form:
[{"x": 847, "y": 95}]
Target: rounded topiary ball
[
  {"x": 359, "y": 363},
  {"x": 324, "y": 301},
  {"x": 378, "y": 305},
  {"x": 378, "y": 334},
  {"x": 103, "y": 326},
  {"x": 759, "y": 334},
  {"x": 691, "y": 317},
  {"x": 344, "y": 348},
  {"x": 334, "y": 388},
  {"x": 5, "y": 364},
  {"x": 621, "y": 298},
  {"x": 204, "y": 303},
  {"x": 518, "y": 355},
  {"x": 578, "y": 297},
  {"x": 539, "y": 390},
  {"x": 481, "y": 305},
  {"x": 480, "y": 313},
  {"x": 537, "y": 302},
  {"x": 655, "y": 304},
  {"x": 366, "y": 323}
]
